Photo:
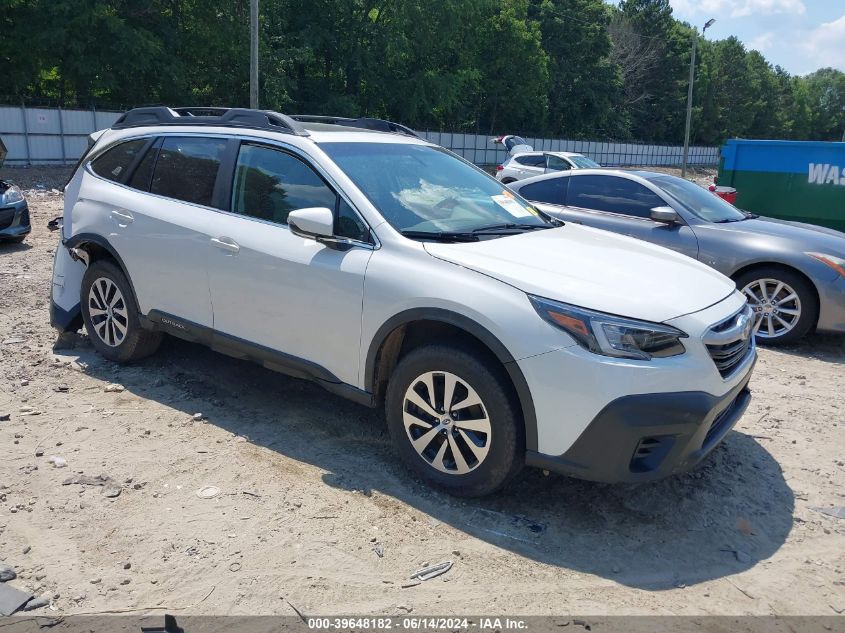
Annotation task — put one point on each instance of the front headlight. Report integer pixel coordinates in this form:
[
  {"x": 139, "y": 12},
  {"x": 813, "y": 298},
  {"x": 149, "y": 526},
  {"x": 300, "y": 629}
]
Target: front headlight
[
  {"x": 837, "y": 263},
  {"x": 611, "y": 335},
  {"x": 12, "y": 195}
]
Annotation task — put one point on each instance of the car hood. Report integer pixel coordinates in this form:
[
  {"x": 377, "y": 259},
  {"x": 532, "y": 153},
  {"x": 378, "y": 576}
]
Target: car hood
[
  {"x": 594, "y": 269},
  {"x": 803, "y": 236}
]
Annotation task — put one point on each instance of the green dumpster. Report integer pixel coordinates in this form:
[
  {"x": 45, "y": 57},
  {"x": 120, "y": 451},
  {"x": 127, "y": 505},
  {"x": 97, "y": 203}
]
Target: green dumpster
[{"x": 791, "y": 180}]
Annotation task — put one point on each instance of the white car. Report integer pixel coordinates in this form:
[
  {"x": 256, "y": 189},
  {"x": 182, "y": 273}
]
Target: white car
[
  {"x": 394, "y": 273},
  {"x": 530, "y": 164}
]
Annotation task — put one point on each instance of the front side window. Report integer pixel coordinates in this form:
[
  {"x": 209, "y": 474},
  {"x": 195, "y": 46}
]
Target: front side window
[
  {"x": 425, "y": 189},
  {"x": 556, "y": 163},
  {"x": 114, "y": 163},
  {"x": 269, "y": 184},
  {"x": 612, "y": 194},
  {"x": 187, "y": 168}
]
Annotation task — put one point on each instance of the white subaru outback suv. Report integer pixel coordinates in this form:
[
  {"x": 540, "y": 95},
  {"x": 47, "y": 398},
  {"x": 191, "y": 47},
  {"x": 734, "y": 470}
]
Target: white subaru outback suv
[{"x": 394, "y": 273}]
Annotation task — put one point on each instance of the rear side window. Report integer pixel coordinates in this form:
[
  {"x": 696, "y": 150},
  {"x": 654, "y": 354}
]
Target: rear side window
[
  {"x": 612, "y": 194},
  {"x": 531, "y": 161},
  {"x": 269, "y": 184},
  {"x": 187, "y": 168},
  {"x": 144, "y": 171},
  {"x": 113, "y": 164},
  {"x": 550, "y": 191}
]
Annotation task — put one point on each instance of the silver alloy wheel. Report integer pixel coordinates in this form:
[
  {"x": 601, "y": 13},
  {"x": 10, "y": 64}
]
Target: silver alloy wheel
[
  {"x": 776, "y": 305},
  {"x": 446, "y": 422},
  {"x": 107, "y": 310}
]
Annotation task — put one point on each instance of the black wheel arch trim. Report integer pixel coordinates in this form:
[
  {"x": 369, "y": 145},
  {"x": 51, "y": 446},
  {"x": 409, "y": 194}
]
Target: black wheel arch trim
[
  {"x": 81, "y": 239},
  {"x": 477, "y": 330}
]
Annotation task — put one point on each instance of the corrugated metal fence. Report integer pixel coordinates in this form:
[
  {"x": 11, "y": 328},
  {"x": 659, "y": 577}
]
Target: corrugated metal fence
[
  {"x": 39, "y": 136},
  {"x": 42, "y": 136}
]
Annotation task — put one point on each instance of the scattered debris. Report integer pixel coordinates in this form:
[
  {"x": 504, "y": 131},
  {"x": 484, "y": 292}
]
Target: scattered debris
[
  {"x": 235, "y": 567},
  {"x": 378, "y": 548},
  {"x": 837, "y": 512},
  {"x": 58, "y": 462},
  {"x": 12, "y": 340},
  {"x": 744, "y": 526},
  {"x": 432, "y": 571},
  {"x": 12, "y": 599},
  {"x": 39, "y": 452},
  {"x": 7, "y": 573},
  {"x": 742, "y": 557},
  {"x": 5, "y": 417},
  {"x": 127, "y": 565},
  {"x": 208, "y": 492},
  {"x": 27, "y": 549},
  {"x": 61, "y": 388},
  {"x": 110, "y": 487},
  {"x": 410, "y": 584},
  {"x": 198, "y": 417},
  {"x": 37, "y": 603},
  {"x": 114, "y": 388}
]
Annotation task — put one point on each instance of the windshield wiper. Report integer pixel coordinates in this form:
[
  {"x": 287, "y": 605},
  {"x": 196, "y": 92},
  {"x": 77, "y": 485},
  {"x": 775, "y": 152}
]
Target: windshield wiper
[
  {"x": 441, "y": 236},
  {"x": 511, "y": 227}
]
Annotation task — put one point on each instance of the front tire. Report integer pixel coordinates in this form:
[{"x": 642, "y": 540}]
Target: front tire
[
  {"x": 784, "y": 303},
  {"x": 453, "y": 420},
  {"x": 111, "y": 315}
]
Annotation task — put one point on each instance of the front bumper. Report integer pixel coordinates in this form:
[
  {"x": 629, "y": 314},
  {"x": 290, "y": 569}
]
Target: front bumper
[
  {"x": 14, "y": 221},
  {"x": 832, "y": 306},
  {"x": 650, "y": 436}
]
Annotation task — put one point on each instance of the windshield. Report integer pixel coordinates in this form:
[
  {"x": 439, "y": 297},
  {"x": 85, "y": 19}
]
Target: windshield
[
  {"x": 582, "y": 162},
  {"x": 418, "y": 188},
  {"x": 701, "y": 202}
]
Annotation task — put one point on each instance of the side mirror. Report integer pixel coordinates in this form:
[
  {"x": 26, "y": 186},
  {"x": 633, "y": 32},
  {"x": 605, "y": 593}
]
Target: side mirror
[
  {"x": 667, "y": 215},
  {"x": 314, "y": 222}
]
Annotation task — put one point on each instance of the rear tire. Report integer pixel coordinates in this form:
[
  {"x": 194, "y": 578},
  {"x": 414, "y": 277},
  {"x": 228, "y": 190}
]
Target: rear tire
[
  {"x": 785, "y": 304},
  {"x": 469, "y": 447},
  {"x": 111, "y": 315}
]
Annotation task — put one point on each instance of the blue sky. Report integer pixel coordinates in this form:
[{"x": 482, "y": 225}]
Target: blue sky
[{"x": 799, "y": 35}]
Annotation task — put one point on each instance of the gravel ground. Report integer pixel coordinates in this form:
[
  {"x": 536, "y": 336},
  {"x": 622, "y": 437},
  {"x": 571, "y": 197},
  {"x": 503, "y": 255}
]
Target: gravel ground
[{"x": 313, "y": 510}]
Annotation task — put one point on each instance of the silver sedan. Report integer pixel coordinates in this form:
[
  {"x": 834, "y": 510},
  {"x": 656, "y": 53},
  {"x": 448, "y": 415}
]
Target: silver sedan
[{"x": 792, "y": 273}]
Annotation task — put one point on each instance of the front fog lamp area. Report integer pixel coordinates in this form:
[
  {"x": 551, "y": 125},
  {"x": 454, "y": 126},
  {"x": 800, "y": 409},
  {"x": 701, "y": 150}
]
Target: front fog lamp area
[{"x": 611, "y": 335}]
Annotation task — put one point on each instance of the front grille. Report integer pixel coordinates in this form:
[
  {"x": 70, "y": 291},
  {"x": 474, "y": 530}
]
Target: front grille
[
  {"x": 7, "y": 216},
  {"x": 730, "y": 341},
  {"x": 727, "y": 357}
]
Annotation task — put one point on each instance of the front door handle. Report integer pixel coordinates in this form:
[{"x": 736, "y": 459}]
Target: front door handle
[
  {"x": 122, "y": 216},
  {"x": 226, "y": 244}
]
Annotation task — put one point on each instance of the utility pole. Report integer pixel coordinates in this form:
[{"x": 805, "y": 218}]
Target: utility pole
[
  {"x": 253, "y": 54},
  {"x": 707, "y": 25}
]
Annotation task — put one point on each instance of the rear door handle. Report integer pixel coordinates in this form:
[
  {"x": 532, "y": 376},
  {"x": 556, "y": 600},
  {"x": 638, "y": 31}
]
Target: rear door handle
[
  {"x": 226, "y": 244},
  {"x": 122, "y": 216}
]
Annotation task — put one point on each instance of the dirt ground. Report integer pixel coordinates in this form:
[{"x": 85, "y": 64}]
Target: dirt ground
[{"x": 314, "y": 511}]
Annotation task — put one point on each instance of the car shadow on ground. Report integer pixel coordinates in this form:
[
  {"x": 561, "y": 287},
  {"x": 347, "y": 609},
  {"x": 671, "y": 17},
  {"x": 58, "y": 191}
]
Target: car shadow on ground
[
  {"x": 732, "y": 512},
  {"x": 7, "y": 247},
  {"x": 829, "y": 348}
]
